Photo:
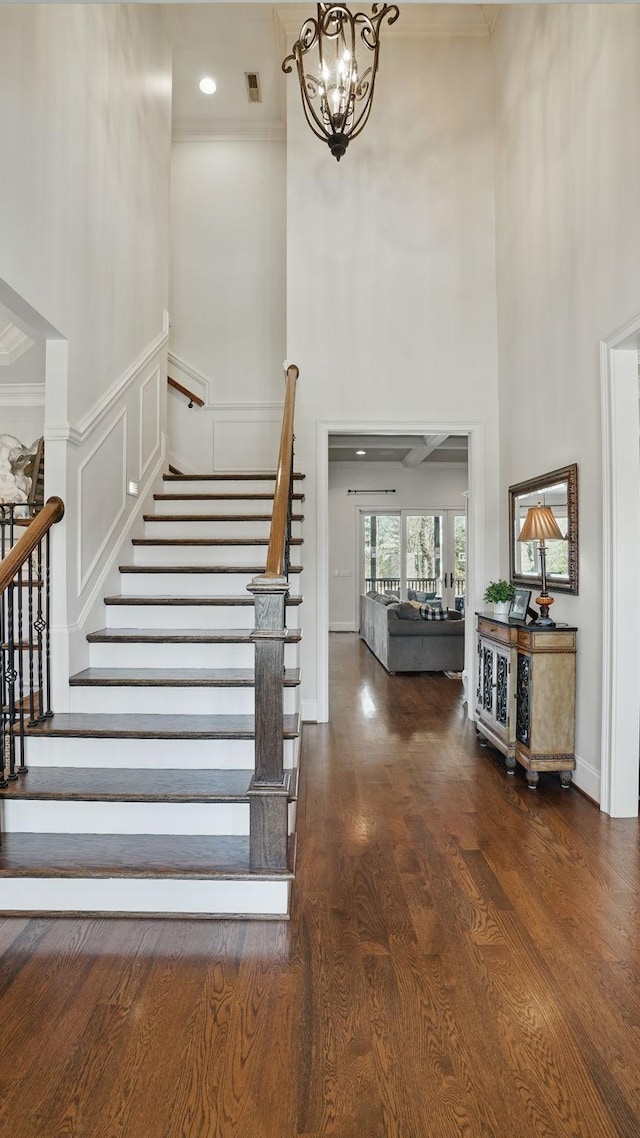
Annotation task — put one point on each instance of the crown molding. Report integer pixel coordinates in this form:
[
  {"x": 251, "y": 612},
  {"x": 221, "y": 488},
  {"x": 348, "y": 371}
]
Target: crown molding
[
  {"x": 228, "y": 130},
  {"x": 416, "y": 20}
]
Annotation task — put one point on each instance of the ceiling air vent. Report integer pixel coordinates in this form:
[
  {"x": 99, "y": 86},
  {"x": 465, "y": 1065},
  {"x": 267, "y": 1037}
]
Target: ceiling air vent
[{"x": 253, "y": 86}]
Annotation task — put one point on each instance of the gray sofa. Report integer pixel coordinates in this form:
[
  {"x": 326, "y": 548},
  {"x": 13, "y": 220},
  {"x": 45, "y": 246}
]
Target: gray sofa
[{"x": 411, "y": 645}]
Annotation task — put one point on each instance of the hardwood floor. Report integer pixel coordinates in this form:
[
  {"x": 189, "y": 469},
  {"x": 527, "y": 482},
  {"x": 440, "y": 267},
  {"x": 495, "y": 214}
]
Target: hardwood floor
[{"x": 462, "y": 962}]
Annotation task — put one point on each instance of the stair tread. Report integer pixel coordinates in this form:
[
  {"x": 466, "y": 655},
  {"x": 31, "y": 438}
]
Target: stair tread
[
  {"x": 96, "y": 784},
  {"x": 179, "y": 636},
  {"x": 229, "y": 476},
  {"x": 252, "y": 570},
  {"x": 233, "y": 497},
  {"x": 241, "y": 601},
  {"x": 215, "y": 517},
  {"x": 154, "y": 726},
  {"x": 129, "y": 856},
  {"x": 174, "y": 677},
  {"x": 208, "y": 541}
]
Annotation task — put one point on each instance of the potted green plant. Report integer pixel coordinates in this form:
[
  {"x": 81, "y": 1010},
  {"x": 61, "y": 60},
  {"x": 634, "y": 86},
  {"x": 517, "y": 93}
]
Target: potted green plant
[{"x": 500, "y": 594}]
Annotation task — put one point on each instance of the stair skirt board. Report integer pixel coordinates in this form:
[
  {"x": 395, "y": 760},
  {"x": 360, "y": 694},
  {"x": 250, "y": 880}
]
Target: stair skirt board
[
  {"x": 165, "y": 897},
  {"x": 26, "y": 816},
  {"x": 159, "y": 612},
  {"x": 148, "y": 754}
]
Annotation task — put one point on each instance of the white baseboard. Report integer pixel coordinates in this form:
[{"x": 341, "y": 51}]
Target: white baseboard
[
  {"x": 342, "y": 626},
  {"x": 588, "y": 779},
  {"x": 309, "y": 711}
]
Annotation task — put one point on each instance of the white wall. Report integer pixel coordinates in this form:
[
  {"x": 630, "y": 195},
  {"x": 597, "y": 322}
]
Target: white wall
[
  {"x": 567, "y": 86},
  {"x": 391, "y": 303},
  {"x": 85, "y": 92},
  {"x": 428, "y": 486},
  {"x": 228, "y": 208}
]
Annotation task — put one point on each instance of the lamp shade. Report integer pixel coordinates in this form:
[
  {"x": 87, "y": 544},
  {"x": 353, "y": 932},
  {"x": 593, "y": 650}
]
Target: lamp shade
[{"x": 540, "y": 525}]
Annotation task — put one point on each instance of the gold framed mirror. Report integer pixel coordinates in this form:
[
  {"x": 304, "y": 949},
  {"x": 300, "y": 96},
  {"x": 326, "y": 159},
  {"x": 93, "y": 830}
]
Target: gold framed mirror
[{"x": 559, "y": 490}]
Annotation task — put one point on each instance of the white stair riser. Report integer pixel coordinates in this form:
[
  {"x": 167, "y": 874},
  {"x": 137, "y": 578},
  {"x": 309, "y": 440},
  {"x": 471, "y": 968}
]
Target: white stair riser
[
  {"x": 149, "y": 754},
  {"x": 224, "y": 506},
  {"x": 193, "y": 585},
  {"x": 188, "y": 616},
  {"x": 143, "y": 895},
  {"x": 204, "y": 528},
  {"x": 199, "y": 554},
  {"x": 181, "y": 655},
  {"x": 222, "y": 486},
  {"x": 64, "y": 817},
  {"x": 167, "y": 700}
]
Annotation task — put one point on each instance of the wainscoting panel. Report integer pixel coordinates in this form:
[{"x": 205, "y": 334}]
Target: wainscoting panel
[
  {"x": 149, "y": 422},
  {"x": 101, "y": 495}
]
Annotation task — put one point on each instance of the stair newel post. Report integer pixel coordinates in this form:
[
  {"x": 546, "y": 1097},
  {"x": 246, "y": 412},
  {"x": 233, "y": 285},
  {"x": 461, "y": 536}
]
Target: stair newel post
[{"x": 269, "y": 788}]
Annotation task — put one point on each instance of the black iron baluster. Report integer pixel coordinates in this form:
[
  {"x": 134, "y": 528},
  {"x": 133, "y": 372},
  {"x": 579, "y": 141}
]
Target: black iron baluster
[
  {"x": 3, "y": 685},
  {"x": 39, "y": 626},
  {"x": 47, "y": 617},
  {"x": 287, "y": 547},
  {"x": 21, "y": 700},
  {"x": 10, "y": 674},
  {"x": 32, "y": 703}
]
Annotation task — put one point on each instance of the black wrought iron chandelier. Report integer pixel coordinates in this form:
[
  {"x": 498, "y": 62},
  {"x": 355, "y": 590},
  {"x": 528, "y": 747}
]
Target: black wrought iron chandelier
[{"x": 337, "y": 94}]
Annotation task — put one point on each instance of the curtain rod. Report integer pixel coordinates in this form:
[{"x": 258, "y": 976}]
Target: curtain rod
[{"x": 371, "y": 491}]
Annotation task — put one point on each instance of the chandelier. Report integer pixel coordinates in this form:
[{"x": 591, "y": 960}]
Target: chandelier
[{"x": 337, "y": 91}]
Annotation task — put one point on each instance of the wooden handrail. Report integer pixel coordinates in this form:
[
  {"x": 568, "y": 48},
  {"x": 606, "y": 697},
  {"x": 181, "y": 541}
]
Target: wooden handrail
[
  {"x": 185, "y": 391},
  {"x": 276, "y": 555},
  {"x": 51, "y": 512}
]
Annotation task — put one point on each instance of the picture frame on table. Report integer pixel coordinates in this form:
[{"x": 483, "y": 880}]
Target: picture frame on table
[{"x": 520, "y": 604}]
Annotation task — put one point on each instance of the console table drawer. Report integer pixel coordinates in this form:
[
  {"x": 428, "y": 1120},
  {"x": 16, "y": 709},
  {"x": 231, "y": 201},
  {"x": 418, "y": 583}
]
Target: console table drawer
[{"x": 496, "y": 631}]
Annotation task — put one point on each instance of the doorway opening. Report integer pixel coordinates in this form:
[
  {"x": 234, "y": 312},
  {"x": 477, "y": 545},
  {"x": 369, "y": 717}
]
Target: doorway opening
[{"x": 424, "y": 475}]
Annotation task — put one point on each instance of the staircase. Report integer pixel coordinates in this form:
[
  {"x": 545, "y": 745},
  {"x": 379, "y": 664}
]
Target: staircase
[{"x": 137, "y": 800}]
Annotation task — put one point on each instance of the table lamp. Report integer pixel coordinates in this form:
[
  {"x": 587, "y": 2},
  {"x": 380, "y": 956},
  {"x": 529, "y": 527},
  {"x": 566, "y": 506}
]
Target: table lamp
[{"x": 540, "y": 525}]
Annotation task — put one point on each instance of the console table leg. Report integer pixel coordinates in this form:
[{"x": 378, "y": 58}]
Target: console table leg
[
  {"x": 532, "y": 779},
  {"x": 565, "y": 779}
]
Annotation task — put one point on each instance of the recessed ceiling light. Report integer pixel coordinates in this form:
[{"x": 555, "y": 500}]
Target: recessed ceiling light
[
  {"x": 361, "y": 452},
  {"x": 207, "y": 86}
]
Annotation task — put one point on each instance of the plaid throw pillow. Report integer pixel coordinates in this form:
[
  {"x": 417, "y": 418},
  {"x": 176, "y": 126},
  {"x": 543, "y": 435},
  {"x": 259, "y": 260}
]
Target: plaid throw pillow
[{"x": 433, "y": 612}]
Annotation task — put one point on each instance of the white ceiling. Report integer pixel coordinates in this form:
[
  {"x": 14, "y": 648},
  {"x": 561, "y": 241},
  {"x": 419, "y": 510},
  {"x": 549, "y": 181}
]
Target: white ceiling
[
  {"x": 410, "y": 450},
  {"x": 227, "y": 40}
]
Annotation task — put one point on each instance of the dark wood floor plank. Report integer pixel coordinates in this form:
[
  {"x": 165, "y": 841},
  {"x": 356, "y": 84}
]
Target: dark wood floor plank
[{"x": 462, "y": 962}]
